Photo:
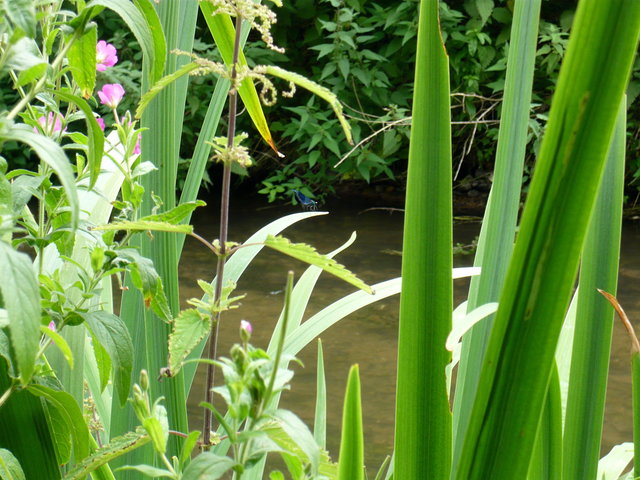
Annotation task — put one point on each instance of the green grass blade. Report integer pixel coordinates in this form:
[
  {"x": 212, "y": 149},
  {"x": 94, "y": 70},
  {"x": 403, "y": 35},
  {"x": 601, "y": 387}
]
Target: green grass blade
[
  {"x": 546, "y": 461},
  {"x": 423, "y": 418},
  {"x": 541, "y": 275},
  {"x": 499, "y": 225},
  {"x": 32, "y": 443},
  {"x": 320, "y": 420},
  {"x": 160, "y": 144},
  {"x": 594, "y": 319},
  {"x": 202, "y": 149},
  {"x": 351, "y": 463}
]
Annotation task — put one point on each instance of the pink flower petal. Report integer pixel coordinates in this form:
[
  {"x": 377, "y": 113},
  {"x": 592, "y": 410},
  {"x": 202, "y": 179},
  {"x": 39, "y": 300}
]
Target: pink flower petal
[
  {"x": 100, "y": 122},
  {"x": 106, "y": 55},
  {"x": 111, "y": 94}
]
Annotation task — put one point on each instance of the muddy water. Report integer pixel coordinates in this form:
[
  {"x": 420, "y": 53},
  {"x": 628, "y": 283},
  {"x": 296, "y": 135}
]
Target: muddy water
[{"x": 367, "y": 337}]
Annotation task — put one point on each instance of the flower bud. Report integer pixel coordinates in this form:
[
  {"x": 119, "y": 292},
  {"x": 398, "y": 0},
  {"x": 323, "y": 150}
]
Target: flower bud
[{"x": 245, "y": 330}]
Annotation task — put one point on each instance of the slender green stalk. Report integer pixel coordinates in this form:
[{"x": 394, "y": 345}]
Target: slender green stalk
[
  {"x": 423, "y": 418},
  {"x": 224, "y": 226},
  {"x": 594, "y": 320}
]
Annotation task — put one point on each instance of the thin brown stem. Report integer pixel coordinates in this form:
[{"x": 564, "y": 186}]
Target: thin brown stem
[{"x": 224, "y": 225}]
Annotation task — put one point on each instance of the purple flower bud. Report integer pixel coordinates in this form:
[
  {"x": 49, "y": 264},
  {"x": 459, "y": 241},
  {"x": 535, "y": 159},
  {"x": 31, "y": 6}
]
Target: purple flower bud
[
  {"x": 111, "y": 94},
  {"x": 52, "y": 325},
  {"x": 105, "y": 56}
]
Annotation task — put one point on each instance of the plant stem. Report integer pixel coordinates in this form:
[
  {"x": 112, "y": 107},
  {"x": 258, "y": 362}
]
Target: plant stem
[{"x": 224, "y": 224}]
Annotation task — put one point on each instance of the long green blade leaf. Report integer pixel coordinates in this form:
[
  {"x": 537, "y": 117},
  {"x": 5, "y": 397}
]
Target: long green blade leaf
[
  {"x": 423, "y": 418},
  {"x": 594, "y": 319},
  {"x": 519, "y": 358},
  {"x": 497, "y": 234},
  {"x": 351, "y": 463}
]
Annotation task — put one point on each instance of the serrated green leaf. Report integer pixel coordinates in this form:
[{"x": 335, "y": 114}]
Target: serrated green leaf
[
  {"x": 176, "y": 214},
  {"x": 189, "y": 328},
  {"x": 310, "y": 255},
  {"x": 207, "y": 466},
  {"x": 485, "y": 7},
  {"x": 115, "y": 448},
  {"x": 161, "y": 84},
  {"x": 82, "y": 61},
  {"x": 70, "y": 412},
  {"x": 145, "y": 226},
  {"x": 52, "y": 154},
  {"x": 60, "y": 342},
  {"x": 10, "y": 468},
  {"x": 95, "y": 134},
  {"x": 21, "y": 298},
  {"x": 113, "y": 335}
]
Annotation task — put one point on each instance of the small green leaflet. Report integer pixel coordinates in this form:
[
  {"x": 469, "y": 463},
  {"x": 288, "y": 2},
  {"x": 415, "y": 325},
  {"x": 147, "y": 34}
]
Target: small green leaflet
[
  {"x": 146, "y": 226},
  {"x": 162, "y": 222},
  {"x": 9, "y": 466},
  {"x": 322, "y": 92},
  {"x": 189, "y": 328},
  {"x": 308, "y": 254},
  {"x": 117, "y": 447}
]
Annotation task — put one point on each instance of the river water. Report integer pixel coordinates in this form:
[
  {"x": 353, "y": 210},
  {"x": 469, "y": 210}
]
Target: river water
[{"x": 367, "y": 337}]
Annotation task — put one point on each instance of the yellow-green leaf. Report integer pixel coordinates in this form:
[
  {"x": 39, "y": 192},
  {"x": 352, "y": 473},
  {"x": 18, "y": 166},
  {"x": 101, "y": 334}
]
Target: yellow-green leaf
[{"x": 308, "y": 254}]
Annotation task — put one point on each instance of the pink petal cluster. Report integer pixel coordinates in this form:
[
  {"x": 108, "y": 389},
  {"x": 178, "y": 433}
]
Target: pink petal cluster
[
  {"x": 111, "y": 94},
  {"x": 52, "y": 325},
  {"x": 106, "y": 56},
  {"x": 136, "y": 149},
  {"x": 100, "y": 122},
  {"x": 50, "y": 121}
]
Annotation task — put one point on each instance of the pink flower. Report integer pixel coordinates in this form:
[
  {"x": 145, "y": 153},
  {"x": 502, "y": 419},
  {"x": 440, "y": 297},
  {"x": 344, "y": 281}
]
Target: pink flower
[
  {"x": 49, "y": 122},
  {"x": 136, "y": 149},
  {"x": 111, "y": 94},
  {"x": 52, "y": 325},
  {"x": 105, "y": 56},
  {"x": 100, "y": 122}
]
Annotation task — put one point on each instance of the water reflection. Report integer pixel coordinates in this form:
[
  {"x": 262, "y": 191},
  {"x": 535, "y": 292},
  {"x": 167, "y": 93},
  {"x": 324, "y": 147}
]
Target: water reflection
[{"x": 367, "y": 337}]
